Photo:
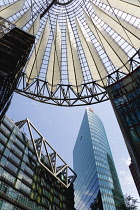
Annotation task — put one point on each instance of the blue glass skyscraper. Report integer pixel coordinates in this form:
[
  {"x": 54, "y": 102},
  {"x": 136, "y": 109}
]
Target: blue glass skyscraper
[{"x": 97, "y": 185}]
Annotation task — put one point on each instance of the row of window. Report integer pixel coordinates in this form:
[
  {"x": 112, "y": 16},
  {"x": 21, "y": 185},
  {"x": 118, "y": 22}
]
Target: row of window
[
  {"x": 131, "y": 118},
  {"x": 18, "y": 197},
  {"x": 135, "y": 133},
  {"x": 124, "y": 98},
  {"x": 87, "y": 194},
  {"x": 81, "y": 187},
  {"x": 21, "y": 175},
  {"x": 122, "y": 109},
  {"x": 135, "y": 75},
  {"x": 99, "y": 145},
  {"x": 17, "y": 163},
  {"x": 107, "y": 198},
  {"x": 5, "y": 205},
  {"x": 105, "y": 177},
  {"x": 6, "y": 176}
]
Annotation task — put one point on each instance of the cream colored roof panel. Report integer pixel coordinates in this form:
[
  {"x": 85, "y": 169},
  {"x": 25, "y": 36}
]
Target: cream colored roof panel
[
  {"x": 95, "y": 64},
  {"x": 23, "y": 19},
  {"x": 125, "y": 29},
  {"x": 113, "y": 50},
  {"x": 11, "y": 9},
  {"x": 124, "y": 6},
  {"x": 133, "y": 2},
  {"x": 54, "y": 66},
  {"x": 34, "y": 65},
  {"x": 74, "y": 67}
]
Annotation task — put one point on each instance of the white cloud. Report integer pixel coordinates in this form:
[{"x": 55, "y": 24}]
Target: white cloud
[
  {"x": 126, "y": 178},
  {"x": 126, "y": 161},
  {"x": 122, "y": 172}
]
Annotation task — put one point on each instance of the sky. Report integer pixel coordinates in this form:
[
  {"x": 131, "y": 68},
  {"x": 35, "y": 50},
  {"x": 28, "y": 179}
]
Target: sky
[{"x": 60, "y": 127}]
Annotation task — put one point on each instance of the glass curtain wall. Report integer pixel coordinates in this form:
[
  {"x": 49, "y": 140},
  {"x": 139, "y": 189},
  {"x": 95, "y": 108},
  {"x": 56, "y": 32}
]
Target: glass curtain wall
[
  {"x": 97, "y": 185},
  {"x": 125, "y": 98},
  {"x": 23, "y": 182}
]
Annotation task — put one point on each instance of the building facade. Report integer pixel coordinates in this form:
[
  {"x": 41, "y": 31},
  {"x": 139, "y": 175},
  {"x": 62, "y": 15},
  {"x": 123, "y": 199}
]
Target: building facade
[
  {"x": 135, "y": 176},
  {"x": 97, "y": 185},
  {"x": 125, "y": 98},
  {"x": 24, "y": 183},
  {"x": 15, "y": 46}
]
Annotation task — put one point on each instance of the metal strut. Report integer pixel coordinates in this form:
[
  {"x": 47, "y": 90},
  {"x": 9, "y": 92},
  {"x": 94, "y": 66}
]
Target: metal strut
[{"x": 47, "y": 9}]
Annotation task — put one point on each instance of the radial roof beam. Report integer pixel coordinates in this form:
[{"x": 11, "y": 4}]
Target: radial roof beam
[
  {"x": 47, "y": 9},
  {"x": 35, "y": 26}
]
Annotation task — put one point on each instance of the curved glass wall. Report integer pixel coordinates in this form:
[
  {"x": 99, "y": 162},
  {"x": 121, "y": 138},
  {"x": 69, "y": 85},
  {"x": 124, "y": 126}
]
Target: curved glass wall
[{"x": 97, "y": 184}]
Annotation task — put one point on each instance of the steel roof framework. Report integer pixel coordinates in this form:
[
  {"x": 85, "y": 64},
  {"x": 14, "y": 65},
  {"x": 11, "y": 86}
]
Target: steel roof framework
[{"x": 81, "y": 46}]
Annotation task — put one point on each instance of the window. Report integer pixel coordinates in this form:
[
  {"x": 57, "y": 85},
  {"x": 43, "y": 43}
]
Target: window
[
  {"x": 45, "y": 201},
  {"x": 3, "y": 138},
  {"x": 11, "y": 167},
  {"x": 19, "y": 143},
  {"x": 14, "y": 158},
  {"x": 6, "y": 152},
  {"x": 24, "y": 188},
  {"x": 46, "y": 193},
  {"x": 19, "y": 134},
  {"x": 3, "y": 161},
  {"x": 56, "y": 200},
  {"x": 8, "y": 177},
  {"x": 5, "y": 130},
  {"x": 17, "y": 151},
  {"x": 28, "y": 170},
  {"x": 1, "y": 148},
  {"x": 27, "y": 178},
  {"x": 8, "y": 123}
]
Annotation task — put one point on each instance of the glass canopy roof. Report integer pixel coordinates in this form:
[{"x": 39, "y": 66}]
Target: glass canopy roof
[{"x": 81, "y": 47}]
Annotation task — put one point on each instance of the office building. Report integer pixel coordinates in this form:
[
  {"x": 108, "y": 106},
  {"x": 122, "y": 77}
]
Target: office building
[
  {"x": 135, "y": 177},
  {"x": 97, "y": 185},
  {"x": 15, "y": 46},
  {"x": 31, "y": 178},
  {"x": 125, "y": 98}
]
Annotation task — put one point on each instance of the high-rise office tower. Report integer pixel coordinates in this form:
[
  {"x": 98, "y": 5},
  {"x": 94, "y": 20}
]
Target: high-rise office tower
[
  {"x": 97, "y": 185},
  {"x": 125, "y": 98},
  {"x": 31, "y": 178}
]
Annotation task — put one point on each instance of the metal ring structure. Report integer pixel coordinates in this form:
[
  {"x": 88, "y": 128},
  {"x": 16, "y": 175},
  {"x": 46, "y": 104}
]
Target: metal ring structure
[{"x": 81, "y": 47}]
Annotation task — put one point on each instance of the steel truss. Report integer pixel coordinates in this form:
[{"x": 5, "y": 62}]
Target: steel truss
[
  {"x": 134, "y": 62},
  {"x": 64, "y": 95},
  {"x": 5, "y": 26},
  {"x": 47, "y": 157}
]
